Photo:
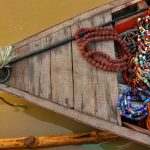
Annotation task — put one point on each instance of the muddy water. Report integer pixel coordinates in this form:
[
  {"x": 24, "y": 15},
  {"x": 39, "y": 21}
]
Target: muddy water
[
  {"x": 34, "y": 120},
  {"x": 20, "y": 19}
]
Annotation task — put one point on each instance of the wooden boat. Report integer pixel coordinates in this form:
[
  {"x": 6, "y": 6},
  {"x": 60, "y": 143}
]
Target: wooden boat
[{"x": 62, "y": 81}]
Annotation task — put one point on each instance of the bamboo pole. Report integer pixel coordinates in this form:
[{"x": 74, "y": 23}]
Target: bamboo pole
[{"x": 55, "y": 140}]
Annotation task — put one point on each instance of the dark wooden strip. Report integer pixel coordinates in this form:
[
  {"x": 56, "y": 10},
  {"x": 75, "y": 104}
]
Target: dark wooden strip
[
  {"x": 61, "y": 70},
  {"x": 45, "y": 72}
]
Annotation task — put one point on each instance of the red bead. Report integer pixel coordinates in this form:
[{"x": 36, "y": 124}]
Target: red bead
[
  {"x": 137, "y": 65},
  {"x": 101, "y": 66},
  {"x": 93, "y": 56},
  {"x": 104, "y": 67},
  {"x": 107, "y": 38},
  {"x": 112, "y": 69},
  {"x": 97, "y": 65},
  {"x": 93, "y": 62}
]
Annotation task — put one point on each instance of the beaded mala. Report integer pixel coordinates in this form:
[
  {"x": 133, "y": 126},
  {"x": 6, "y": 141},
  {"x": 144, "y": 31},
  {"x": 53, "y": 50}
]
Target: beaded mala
[
  {"x": 127, "y": 107},
  {"x": 144, "y": 37},
  {"x": 94, "y": 56}
]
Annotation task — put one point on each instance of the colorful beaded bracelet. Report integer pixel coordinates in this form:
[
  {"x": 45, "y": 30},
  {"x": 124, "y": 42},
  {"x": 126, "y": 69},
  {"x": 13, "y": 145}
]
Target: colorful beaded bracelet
[
  {"x": 138, "y": 73},
  {"x": 127, "y": 107}
]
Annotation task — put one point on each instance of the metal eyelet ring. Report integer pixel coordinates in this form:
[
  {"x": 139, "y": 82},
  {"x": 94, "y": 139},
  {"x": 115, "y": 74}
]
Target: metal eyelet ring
[{"x": 4, "y": 74}]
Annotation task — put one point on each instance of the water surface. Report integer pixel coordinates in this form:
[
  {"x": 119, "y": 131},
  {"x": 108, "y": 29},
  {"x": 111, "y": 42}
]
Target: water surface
[{"x": 34, "y": 120}]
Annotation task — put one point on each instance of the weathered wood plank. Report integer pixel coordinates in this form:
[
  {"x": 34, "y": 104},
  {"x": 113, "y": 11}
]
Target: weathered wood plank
[
  {"x": 81, "y": 117},
  {"x": 125, "y": 5},
  {"x": 61, "y": 70},
  {"x": 35, "y": 69},
  {"x": 84, "y": 82},
  {"x": 87, "y": 90},
  {"x": 93, "y": 88},
  {"x": 12, "y": 80},
  {"x": 106, "y": 98},
  {"x": 45, "y": 78},
  {"x": 22, "y": 70},
  {"x": 19, "y": 71},
  {"x": 33, "y": 74}
]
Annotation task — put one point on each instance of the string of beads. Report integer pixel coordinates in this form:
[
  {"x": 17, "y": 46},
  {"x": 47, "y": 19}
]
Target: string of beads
[
  {"x": 131, "y": 40},
  {"x": 138, "y": 74},
  {"x": 94, "y": 57},
  {"x": 127, "y": 107},
  {"x": 142, "y": 59}
]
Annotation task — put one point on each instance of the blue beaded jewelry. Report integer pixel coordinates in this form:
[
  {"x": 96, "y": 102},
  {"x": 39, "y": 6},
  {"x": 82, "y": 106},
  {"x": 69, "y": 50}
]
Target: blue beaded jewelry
[{"x": 127, "y": 103}]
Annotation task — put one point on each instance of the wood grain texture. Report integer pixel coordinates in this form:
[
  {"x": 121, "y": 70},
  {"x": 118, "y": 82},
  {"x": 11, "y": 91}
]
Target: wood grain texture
[
  {"x": 35, "y": 69},
  {"x": 83, "y": 78},
  {"x": 81, "y": 117},
  {"x": 12, "y": 80},
  {"x": 93, "y": 87},
  {"x": 61, "y": 77},
  {"x": 107, "y": 84},
  {"x": 64, "y": 77},
  {"x": 61, "y": 70},
  {"x": 45, "y": 71},
  {"x": 22, "y": 70}
]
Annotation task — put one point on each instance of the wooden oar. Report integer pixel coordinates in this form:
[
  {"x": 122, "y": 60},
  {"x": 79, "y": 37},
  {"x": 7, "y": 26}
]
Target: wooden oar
[{"x": 55, "y": 140}]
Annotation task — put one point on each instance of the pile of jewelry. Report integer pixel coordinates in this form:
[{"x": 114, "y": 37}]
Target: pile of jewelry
[
  {"x": 128, "y": 103},
  {"x": 131, "y": 40},
  {"x": 133, "y": 100}
]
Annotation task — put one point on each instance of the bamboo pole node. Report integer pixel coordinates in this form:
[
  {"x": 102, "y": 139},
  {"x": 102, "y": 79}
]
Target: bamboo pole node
[{"x": 55, "y": 140}]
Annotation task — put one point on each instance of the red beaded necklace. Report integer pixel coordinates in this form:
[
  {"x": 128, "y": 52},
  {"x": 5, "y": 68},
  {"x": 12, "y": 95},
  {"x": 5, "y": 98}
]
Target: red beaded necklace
[{"x": 94, "y": 57}]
